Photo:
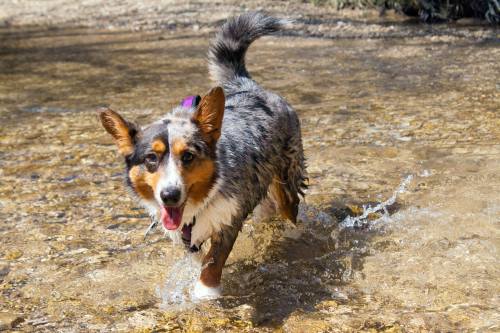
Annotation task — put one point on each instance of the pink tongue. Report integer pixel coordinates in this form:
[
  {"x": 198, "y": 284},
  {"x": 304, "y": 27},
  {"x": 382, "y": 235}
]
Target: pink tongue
[{"x": 171, "y": 217}]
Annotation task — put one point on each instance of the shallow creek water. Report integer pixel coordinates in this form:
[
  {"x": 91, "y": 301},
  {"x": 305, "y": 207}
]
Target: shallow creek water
[{"x": 373, "y": 111}]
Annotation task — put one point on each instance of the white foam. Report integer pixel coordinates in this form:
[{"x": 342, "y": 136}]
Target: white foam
[
  {"x": 180, "y": 283},
  {"x": 362, "y": 220}
]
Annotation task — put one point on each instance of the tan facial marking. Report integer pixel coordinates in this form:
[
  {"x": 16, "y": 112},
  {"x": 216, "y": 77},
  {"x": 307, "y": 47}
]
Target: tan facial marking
[
  {"x": 179, "y": 146},
  {"x": 158, "y": 146},
  {"x": 144, "y": 182},
  {"x": 199, "y": 178}
]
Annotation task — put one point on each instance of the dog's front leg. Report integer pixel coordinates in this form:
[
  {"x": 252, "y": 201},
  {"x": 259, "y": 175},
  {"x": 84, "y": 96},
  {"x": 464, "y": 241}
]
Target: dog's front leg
[{"x": 208, "y": 286}]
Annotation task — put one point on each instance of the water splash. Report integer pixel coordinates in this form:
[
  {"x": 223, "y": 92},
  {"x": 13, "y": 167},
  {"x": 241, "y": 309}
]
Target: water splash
[
  {"x": 362, "y": 220},
  {"x": 180, "y": 282}
]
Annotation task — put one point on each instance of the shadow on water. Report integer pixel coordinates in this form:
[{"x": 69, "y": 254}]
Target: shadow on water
[
  {"x": 82, "y": 47},
  {"x": 114, "y": 63},
  {"x": 311, "y": 263}
]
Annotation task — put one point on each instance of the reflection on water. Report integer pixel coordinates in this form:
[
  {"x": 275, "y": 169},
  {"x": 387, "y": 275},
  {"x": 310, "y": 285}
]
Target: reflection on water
[{"x": 372, "y": 111}]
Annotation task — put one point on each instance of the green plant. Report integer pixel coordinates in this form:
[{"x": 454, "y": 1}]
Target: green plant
[{"x": 430, "y": 11}]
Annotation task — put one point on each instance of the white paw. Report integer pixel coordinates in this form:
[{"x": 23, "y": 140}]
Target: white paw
[{"x": 202, "y": 292}]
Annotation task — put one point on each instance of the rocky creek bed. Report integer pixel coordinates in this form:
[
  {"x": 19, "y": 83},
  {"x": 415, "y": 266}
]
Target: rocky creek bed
[{"x": 379, "y": 99}]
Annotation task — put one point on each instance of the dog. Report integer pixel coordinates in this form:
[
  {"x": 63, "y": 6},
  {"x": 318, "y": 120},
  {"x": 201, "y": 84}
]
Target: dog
[{"x": 208, "y": 164}]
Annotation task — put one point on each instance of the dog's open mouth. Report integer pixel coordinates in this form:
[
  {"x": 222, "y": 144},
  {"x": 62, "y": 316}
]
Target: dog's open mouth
[{"x": 171, "y": 217}]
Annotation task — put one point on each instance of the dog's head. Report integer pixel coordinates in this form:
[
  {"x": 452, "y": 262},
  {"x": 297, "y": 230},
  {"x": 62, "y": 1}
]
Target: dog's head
[{"x": 172, "y": 161}]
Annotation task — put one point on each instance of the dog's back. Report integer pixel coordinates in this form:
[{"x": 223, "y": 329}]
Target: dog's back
[
  {"x": 259, "y": 153},
  {"x": 260, "y": 162}
]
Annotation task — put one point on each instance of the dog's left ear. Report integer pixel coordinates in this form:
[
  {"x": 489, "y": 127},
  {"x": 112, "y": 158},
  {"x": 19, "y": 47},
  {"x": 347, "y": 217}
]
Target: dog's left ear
[{"x": 208, "y": 116}]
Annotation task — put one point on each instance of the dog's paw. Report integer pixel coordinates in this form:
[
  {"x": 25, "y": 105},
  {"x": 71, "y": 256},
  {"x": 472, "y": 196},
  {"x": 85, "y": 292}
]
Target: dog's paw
[{"x": 202, "y": 292}]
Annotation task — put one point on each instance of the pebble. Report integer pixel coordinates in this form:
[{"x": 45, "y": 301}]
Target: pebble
[
  {"x": 4, "y": 270},
  {"x": 9, "y": 320},
  {"x": 327, "y": 305},
  {"x": 245, "y": 312},
  {"x": 13, "y": 255}
]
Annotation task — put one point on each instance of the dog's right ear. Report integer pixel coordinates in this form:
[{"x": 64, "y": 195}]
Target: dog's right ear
[
  {"x": 121, "y": 130},
  {"x": 208, "y": 116}
]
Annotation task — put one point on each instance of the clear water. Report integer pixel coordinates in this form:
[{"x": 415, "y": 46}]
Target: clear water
[{"x": 373, "y": 111}]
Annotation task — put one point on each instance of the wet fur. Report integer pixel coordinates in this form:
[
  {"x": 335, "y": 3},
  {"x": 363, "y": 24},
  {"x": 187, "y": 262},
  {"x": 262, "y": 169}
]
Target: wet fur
[{"x": 248, "y": 153}]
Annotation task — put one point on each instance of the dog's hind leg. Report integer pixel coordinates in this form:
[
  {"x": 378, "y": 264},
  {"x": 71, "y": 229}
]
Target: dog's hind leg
[
  {"x": 280, "y": 199},
  {"x": 290, "y": 181},
  {"x": 287, "y": 200},
  {"x": 266, "y": 209},
  {"x": 208, "y": 286}
]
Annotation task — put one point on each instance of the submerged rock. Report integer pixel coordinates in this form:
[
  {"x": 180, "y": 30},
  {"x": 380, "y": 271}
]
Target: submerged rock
[{"x": 9, "y": 320}]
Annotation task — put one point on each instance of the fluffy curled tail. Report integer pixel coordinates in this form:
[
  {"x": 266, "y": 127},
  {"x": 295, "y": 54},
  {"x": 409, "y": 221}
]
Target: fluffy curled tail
[{"x": 226, "y": 56}]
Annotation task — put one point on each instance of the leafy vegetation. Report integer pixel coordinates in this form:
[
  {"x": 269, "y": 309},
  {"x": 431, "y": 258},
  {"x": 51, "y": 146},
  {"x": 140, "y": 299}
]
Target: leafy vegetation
[{"x": 430, "y": 11}]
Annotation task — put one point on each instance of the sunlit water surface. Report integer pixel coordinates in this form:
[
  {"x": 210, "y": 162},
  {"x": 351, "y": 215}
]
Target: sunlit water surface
[{"x": 410, "y": 119}]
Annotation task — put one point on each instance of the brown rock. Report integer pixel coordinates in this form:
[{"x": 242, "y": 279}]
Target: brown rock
[
  {"x": 9, "y": 320},
  {"x": 4, "y": 270},
  {"x": 14, "y": 254}
]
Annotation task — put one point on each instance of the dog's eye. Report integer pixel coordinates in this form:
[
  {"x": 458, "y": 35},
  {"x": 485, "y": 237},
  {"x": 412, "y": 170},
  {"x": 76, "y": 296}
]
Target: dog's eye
[
  {"x": 151, "y": 161},
  {"x": 187, "y": 157}
]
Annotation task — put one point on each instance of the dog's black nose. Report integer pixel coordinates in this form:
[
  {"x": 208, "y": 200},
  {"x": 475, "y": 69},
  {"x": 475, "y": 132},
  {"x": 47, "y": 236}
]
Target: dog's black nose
[{"x": 170, "y": 196}]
